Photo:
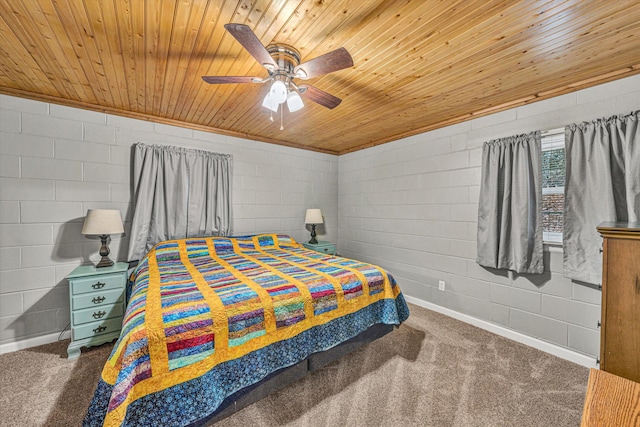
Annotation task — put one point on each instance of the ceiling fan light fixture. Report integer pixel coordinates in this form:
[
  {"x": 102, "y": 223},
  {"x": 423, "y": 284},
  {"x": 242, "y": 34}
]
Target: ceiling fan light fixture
[
  {"x": 278, "y": 91},
  {"x": 270, "y": 102},
  {"x": 294, "y": 101}
]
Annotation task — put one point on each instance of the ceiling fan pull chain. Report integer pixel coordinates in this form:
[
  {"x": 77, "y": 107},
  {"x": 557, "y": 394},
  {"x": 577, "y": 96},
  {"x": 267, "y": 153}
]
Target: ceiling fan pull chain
[{"x": 281, "y": 118}]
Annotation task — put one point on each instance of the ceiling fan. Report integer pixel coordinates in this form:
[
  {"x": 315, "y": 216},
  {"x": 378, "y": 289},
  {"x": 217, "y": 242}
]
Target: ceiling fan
[{"x": 283, "y": 65}]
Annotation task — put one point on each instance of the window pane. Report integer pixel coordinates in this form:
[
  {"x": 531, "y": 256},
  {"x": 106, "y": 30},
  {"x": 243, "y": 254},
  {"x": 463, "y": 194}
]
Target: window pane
[
  {"x": 552, "y": 208},
  {"x": 553, "y": 172},
  {"x": 553, "y": 168}
]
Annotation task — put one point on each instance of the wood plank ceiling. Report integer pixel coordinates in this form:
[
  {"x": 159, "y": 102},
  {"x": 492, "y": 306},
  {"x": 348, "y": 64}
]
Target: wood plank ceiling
[{"x": 418, "y": 65}]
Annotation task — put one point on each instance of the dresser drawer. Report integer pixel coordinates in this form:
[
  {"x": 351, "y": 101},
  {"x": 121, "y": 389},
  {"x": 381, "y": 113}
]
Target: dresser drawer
[
  {"x": 96, "y": 299},
  {"x": 96, "y": 284},
  {"x": 96, "y": 314},
  {"x": 97, "y": 328}
]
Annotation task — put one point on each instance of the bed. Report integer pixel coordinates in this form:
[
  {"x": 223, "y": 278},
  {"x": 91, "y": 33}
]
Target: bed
[{"x": 215, "y": 323}]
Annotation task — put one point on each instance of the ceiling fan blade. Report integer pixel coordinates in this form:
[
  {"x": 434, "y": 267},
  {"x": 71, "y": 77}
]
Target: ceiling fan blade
[
  {"x": 329, "y": 62},
  {"x": 217, "y": 80},
  {"x": 247, "y": 38},
  {"x": 319, "y": 96}
]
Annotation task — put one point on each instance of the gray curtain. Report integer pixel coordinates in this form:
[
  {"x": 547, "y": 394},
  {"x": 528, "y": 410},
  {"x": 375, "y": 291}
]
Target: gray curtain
[
  {"x": 510, "y": 208},
  {"x": 602, "y": 184},
  {"x": 178, "y": 193}
]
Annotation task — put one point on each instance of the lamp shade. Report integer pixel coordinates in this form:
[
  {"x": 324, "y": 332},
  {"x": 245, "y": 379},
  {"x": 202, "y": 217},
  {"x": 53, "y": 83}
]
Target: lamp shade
[
  {"x": 270, "y": 103},
  {"x": 278, "y": 91},
  {"x": 102, "y": 221},
  {"x": 313, "y": 216},
  {"x": 294, "y": 102}
]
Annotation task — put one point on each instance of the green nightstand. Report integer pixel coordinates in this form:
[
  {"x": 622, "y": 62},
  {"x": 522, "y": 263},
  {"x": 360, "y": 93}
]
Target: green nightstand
[
  {"x": 323, "y": 247},
  {"x": 96, "y": 298}
]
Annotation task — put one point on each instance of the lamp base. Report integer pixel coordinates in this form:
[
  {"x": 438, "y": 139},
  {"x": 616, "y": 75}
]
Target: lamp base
[
  {"x": 104, "y": 262},
  {"x": 104, "y": 252},
  {"x": 313, "y": 240}
]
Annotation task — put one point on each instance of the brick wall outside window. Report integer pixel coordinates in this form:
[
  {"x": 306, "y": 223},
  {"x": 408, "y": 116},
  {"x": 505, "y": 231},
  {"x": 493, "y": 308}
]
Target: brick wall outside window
[{"x": 553, "y": 173}]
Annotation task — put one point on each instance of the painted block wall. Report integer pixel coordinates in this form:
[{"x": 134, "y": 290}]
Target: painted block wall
[
  {"x": 411, "y": 207},
  {"x": 56, "y": 162}
]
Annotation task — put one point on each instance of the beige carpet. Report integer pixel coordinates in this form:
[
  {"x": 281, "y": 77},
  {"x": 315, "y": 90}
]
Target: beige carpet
[{"x": 432, "y": 371}]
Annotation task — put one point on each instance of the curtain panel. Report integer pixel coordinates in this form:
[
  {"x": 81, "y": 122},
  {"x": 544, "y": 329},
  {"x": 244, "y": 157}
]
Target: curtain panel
[
  {"x": 178, "y": 193},
  {"x": 602, "y": 183},
  {"x": 510, "y": 206}
]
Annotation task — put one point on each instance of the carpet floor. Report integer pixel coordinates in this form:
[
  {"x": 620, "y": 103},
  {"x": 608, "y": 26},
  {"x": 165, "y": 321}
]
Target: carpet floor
[{"x": 432, "y": 371}]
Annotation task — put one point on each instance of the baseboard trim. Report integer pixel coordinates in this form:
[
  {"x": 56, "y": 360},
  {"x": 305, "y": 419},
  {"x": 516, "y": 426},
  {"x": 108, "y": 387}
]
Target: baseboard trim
[
  {"x": 564, "y": 353},
  {"x": 547, "y": 347},
  {"x": 34, "y": 341}
]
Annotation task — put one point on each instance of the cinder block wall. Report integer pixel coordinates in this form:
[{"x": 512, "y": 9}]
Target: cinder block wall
[
  {"x": 56, "y": 162},
  {"x": 411, "y": 206}
]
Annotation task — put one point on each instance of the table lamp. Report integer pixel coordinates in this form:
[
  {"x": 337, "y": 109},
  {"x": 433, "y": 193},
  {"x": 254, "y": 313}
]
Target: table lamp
[
  {"x": 102, "y": 223},
  {"x": 313, "y": 217}
]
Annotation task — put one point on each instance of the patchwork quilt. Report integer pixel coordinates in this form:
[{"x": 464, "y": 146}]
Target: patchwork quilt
[{"x": 207, "y": 317}]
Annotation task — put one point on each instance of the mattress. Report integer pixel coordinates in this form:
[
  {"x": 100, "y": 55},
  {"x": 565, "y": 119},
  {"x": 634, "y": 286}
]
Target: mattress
[{"x": 207, "y": 317}]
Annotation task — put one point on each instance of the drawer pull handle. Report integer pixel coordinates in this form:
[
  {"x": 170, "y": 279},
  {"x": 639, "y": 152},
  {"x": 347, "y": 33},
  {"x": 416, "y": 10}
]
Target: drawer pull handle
[
  {"x": 99, "y": 329},
  {"x": 98, "y": 285},
  {"x": 98, "y": 300},
  {"x": 99, "y": 314}
]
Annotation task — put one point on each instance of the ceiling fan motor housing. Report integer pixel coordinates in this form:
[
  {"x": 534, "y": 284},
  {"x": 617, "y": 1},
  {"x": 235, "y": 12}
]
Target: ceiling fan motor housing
[{"x": 287, "y": 57}]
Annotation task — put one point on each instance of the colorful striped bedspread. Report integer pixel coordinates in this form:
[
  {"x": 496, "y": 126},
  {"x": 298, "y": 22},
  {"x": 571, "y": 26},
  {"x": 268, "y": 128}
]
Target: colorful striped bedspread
[{"x": 207, "y": 317}]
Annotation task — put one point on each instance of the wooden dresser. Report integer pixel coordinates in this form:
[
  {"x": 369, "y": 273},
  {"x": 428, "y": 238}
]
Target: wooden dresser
[
  {"x": 620, "y": 330},
  {"x": 611, "y": 401}
]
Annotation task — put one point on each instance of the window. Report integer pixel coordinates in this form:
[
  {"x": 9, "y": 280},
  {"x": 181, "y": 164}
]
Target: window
[{"x": 553, "y": 172}]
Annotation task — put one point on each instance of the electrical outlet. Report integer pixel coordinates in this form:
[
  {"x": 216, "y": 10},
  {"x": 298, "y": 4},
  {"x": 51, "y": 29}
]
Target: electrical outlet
[{"x": 441, "y": 285}]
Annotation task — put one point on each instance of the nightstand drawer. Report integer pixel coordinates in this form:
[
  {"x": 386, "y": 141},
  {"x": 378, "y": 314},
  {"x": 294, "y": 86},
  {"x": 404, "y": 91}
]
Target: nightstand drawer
[
  {"x": 322, "y": 247},
  {"x": 96, "y": 284},
  {"x": 95, "y": 314},
  {"x": 96, "y": 299},
  {"x": 97, "y": 328}
]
